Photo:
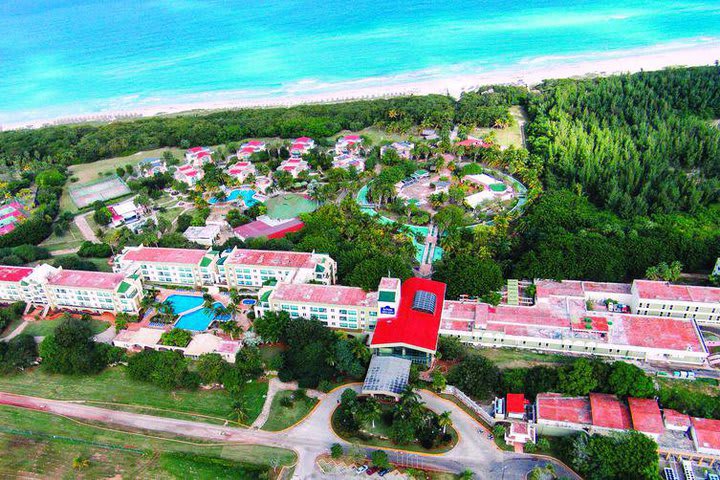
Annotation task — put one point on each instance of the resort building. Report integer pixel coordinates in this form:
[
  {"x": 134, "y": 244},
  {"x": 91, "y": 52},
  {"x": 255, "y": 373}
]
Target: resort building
[
  {"x": 254, "y": 145},
  {"x": 262, "y": 184},
  {"x": 386, "y": 377},
  {"x": 255, "y": 268},
  {"x": 148, "y": 167},
  {"x": 301, "y": 146},
  {"x": 345, "y": 161},
  {"x": 124, "y": 212},
  {"x": 347, "y": 144},
  {"x": 75, "y": 290},
  {"x": 10, "y": 214},
  {"x": 348, "y": 308},
  {"x": 411, "y": 319},
  {"x": 198, "y": 156},
  {"x": 705, "y": 435},
  {"x": 235, "y": 269},
  {"x": 404, "y": 149},
  {"x": 663, "y": 299},
  {"x": 572, "y": 317},
  {"x": 241, "y": 170},
  {"x": 472, "y": 142},
  {"x": 189, "y": 174},
  {"x": 293, "y": 166},
  {"x": 206, "y": 235},
  {"x": 201, "y": 343}
]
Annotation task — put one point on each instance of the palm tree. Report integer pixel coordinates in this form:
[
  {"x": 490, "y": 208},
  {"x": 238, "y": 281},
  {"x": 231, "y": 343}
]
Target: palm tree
[
  {"x": 444, "y": 421},
  {"x": 238, "y": 411},
  {"x": 230, "y": 328},
  {"x": 208, "y": 301},
  {"x": 372, "y": 410}
]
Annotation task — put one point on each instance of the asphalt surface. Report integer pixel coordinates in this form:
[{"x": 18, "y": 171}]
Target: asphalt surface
[{"x": 314, "y": 436}]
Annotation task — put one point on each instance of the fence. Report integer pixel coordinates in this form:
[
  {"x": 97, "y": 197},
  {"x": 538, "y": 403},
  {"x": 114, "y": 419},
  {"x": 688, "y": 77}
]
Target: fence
[
  {"x": 470, "y": 403},
  {"x": 77, "y": 441}
]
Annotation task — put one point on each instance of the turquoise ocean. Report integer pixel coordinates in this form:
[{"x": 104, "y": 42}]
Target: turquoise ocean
[{"x": 68, "y": 57}]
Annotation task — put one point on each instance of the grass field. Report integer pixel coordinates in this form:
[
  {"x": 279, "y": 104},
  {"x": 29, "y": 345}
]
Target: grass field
[
  {"x": 11, "y": 326},
  {"x": 45, "y": 445},
  {"x": 113, "y": 389},
  {"x": 282, "y": 417},
  {"x": 46, "y": 327},
  {"x": 87, "y": 172},
  {"x": 73, "y": 238},
  {"x": 508, "y": 136},
  {"x": 517, "y": 358}
]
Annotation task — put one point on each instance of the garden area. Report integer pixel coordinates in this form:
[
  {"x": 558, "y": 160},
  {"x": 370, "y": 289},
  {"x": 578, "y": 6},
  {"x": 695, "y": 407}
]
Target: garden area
[
  {"x": 42, "y": 328},
  {"x": 288, "y": 407}
]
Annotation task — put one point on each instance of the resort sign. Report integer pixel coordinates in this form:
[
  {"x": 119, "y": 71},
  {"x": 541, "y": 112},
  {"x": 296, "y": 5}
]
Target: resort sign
[{"x": 387, "y": 311}]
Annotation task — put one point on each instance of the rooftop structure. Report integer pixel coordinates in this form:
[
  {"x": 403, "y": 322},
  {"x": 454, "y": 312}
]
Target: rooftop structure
[
  {"x": 345, "y": 161},
  {"x": 403, "y": 149},
  {"x": 417, "y": 322},
  {"x": 13, "y": 274},
  {"x": 301, "y": 146},
  {"x": 675, "y": 420},
  {"x": 347, "y": 143},
  {"x": 271, "y": 258},
  {"x": 84, "y": 279},
  {"x": 323, "y": 295},
  {"x": 266, "y": 227},
  {"x": 706, "y": 435},
  {"x": 195, "y": 153},
  {"x": 386, "y": 376},
  {"x": 150, "y": 166},
  {"x": 203, "y": 235},
  {"x": 646, "y": 417},
  {"x": 557, "y": 409},
  {"x": 652, "y": 290},
  {"x": 189, "y": 174},
  {"x": 294, "y": 166},
  {"x": 142, "y": 254},
  {"x": 241, "y": 170},
  {"x": 515, "y": 404},
  {"x": 471, "y": 142},
  {"x": 124, "y": 212}
]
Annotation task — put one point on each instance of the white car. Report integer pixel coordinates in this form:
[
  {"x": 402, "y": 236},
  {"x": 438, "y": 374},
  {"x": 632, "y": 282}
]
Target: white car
[{"x": 361, "y": 469}]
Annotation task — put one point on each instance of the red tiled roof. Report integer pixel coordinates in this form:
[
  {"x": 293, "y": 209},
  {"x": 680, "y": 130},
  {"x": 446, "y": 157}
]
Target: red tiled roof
[
  {"x": 515, "y": 403},
  {"x": 555, "y": 407},
  {"x": 645, "y": 414},
  {"x": 83, "y": 279},
  {"x": 609, "y": 411},
  {"x": 13, "y": 274},
  {"x": 351, "y": 138},
  {"x": 269, "y": 258},
  {"x": 648, "y": 289},
  {"x": 303, "y": 140},
  {"x": 673, "y": 417},
  {"x": 411, "y": 327},
  {"x": 197, "y": 149},
  {"x": 254, "y": 143},
  {"x": 324, "y": 294},
  {"x": 187, "y": 256},
  {"x": 258, "y": 228},
  {"x": 707, "y": 432}
]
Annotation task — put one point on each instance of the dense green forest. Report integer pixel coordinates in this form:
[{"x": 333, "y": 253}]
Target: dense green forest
[{"x": 635, "y": 144}]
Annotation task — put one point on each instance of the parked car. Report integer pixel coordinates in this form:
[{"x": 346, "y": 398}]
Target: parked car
[
  {"x": 384, "y": 472},
  {"x": 491, "y": 436},
  {"x": 361, "y": 469},
  {"x": 371, "y": 470}
]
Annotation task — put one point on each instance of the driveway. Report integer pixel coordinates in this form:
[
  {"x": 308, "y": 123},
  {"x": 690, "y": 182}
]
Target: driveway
[
  {"x": 84, "y": 226},
  {"x": 314, "y": 436}
]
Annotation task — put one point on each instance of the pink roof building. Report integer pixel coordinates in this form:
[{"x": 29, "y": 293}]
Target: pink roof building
[
  {"x": 260, "y": 228},
  {"x": 323, "y": 295},
  {"x": 646, "y": 417},
  {"x": 345, "y": 161},
  {"x": 241, "y": 170},
  {"x": 566, "y": 412},
  {"x": 13, "y": 274},
  {"x": 189, "y": 174},
  {"x": 83, "y": 279},
  {"x": 609, "y": 412},
  {"x": 294, "y": 166},
  {"x": 675, "y": 420},
  {"x": 198, "y": 154},
  {"x": 181, "y": 256},
  {"x": 347, "y": 143},
  {"x": 271, "y": 258},
  {"x": 705, "y": 434}
]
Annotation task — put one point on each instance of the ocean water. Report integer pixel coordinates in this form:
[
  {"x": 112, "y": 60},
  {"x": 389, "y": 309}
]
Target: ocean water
[{"x": 67, "y": 57}]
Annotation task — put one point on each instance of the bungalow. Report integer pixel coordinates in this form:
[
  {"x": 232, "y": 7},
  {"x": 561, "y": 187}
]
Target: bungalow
[
  {"x": 403, "y": 149},
  {"x": 293, "y": 166},
  {"x": 429, "y": 134},
  {"x": 346, "y": 161},
  {"x": 203, "y": 235},
  {"x": 347, "y": 144},
  {"x": 472, "y": 142},
  {"x": 262, "y": 183},
  {"x": 124, "y": 212},
  {"x": 198, "y": 155},
  {"x": 148, "y": 167},
  {"x": 188, "y": 174},
  {"x": 241, "y": 170},
  {"x": 250, "y": 147},
  {"x": 301, "y": 146},
  {"x": 245, "y": 153}
]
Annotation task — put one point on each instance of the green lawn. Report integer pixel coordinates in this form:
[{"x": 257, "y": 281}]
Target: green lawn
[
  {"x": 271, "y": 355},
  {"x": 372, "y": 437},
  {"x": 508, "y": 136},
  {"x": 113, "y": 389},
  {"x": 71, "y": 239},
  {"x": 46, "y": 327},
  {"x": 519, "y": 358},
  {"x": 11, "y": 326},
  {"x": 45, "y": 445},
  {"x": 282, "y": 417}
]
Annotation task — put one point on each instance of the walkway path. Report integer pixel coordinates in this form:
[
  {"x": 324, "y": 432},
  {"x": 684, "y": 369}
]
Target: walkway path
[
  {"x": 313, "y": 436},
  {"x": 431, "y": 240},
  {"x": 18, "y": 330},
  {"x": 275, "y": 386},
  {"x": 66, "y": 251},
  {"x": 84, "y": 226}
]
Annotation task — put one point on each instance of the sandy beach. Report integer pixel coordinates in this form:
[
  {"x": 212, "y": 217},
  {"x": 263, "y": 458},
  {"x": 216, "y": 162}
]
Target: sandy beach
[{"x": 451, "y": 81}]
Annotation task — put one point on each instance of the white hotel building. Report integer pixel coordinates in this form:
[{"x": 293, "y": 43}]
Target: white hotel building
[
  {"x": 238, "y": 268},
  {"x": 56, "y": 288}
]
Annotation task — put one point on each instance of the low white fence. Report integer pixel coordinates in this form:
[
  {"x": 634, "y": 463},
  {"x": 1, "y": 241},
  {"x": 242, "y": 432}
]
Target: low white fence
[{"x": 471, "y": 404}]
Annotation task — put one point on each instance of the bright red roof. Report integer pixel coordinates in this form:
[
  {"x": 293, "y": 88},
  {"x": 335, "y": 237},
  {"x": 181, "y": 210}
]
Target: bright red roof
[
  {"x": 188, "y": 256},
  {"x": 646, "y": 416},
  {"x": 707, "y": 432},
  {"x": 609, "y": 411},
  {"x": 13, "y": 274},
  {"x": 556, "y": 408},
  {"x": 515, "y": 403},
  {"x": 270, "y": 258},
  {"x": 196, "y": 149},
  {"x": 255, "y": 143},
  {"x": 303, "y": 140},
  {"x": 258, "y": 228},
  {"x": 351, "y": 138},
  {"x": 412, "y": 327}
]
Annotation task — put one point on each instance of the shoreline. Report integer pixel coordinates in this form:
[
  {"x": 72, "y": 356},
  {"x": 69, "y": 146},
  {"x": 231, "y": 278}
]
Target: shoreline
[{"x": 528, "y": 72}]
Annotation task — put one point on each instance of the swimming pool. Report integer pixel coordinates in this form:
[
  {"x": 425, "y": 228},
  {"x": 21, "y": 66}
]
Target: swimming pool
[
  {"x": 200, "y": 320},
  {"x": 183, "y": 303},
  {"x": 245, "y": 194}
]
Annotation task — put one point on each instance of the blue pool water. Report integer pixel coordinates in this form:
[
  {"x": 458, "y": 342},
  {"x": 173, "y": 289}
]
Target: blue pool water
[
  {"x": 66, "y": 57},
  {"x": 249, "y": 301},
  {"x": 244, "y": 193},
  {"x": 200, "y": 320},
  {"x": 183, "y": 303}
]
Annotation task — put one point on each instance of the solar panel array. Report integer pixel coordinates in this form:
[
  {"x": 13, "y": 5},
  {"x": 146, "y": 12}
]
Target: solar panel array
[{"x": 424, "y": 302}]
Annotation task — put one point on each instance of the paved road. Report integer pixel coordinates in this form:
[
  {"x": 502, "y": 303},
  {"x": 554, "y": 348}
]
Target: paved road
[
  {"x": 313, "y": 436},
  {"x": 84, "y": 226}
]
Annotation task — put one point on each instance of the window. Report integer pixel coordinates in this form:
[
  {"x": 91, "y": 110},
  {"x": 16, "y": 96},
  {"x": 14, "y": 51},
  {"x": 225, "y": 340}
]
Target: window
[{"x": 424, "y": 302}]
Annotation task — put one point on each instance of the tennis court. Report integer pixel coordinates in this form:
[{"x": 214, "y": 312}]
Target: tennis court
[{"x": 103, "y": 189}]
